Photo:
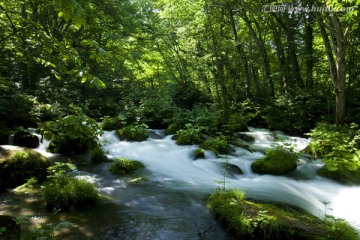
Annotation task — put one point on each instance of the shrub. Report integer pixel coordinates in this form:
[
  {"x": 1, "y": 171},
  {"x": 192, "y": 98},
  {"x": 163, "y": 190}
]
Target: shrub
[
  {"x": 17, "y": 166},
  {"x": 122, "y": 166},
  {"x": 173, "y": 128},
  {"x": 217, "y": 145},
  {"x": 155, "y": 110},
  {"x": 277, "y": 161},
  {"x": 98, "y": 156},
  {"x": 133, "y": 133},
  {"x": 188, "y": 136},
  {"x": 113, "y": 123},
  {"x": 72, "y": 134},
  {"x": 339, "y": 147},
  {"x": 64, "y": 192}
]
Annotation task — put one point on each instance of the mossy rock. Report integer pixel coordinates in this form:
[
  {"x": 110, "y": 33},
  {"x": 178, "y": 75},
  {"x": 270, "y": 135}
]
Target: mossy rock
[
  {"x": 113, "y": 123},
  {"x": 218, "y": 145},
  {"x": 249, "y": 220},
  {"x": 24, "y": 138},
  {"x": 341, "y": 175},
  {"x": 123, "y": 166},
  {"x": 187, "y": 138},
  {"x": 65, "y": 192},
  {"x": 98, "y": 156},
  {"x": 9, "y": 228},
  {"x": 133, "y": 133},
  {"x": 173, "y": 128},
  {"x": 68, "y": 146},
  {"x": 278, "y": 161},
  {"x": 199, "y": 153},
  {"x": 17, "y": 166}
]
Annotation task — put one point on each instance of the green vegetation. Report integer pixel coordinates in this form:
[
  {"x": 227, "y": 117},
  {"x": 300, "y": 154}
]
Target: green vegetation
[
  {"x": 199, "y": 153},
  {"x": 339, "y": 148},
  {"x": 72, "y": 134},
  {"x": 64, "y": 192},
  {"x": 277, "y": 161},
  {"x": 188, "y": 136},
  {"x": 217, "y": 144},
  {"x": 133, "y": 133},
  {"x": 98, "y": 156},
  {"x": 122, "y": 166},
  {"x": 113, "y": 123},
  {"x": 249, "y": 220},
  {"x": 17, "y": 166}
]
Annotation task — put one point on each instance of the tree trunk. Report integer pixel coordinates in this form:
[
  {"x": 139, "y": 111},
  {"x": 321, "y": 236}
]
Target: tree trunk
[
  {"x": 309, "y": 59},
  {"x": 337, "y": 69}
]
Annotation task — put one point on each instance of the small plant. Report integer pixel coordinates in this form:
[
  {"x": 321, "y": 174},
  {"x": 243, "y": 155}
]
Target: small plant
[
  {"x": 133, "y": 133},
  {"x": 222, "y": 182},
  {"x": 122, "y": 166}
]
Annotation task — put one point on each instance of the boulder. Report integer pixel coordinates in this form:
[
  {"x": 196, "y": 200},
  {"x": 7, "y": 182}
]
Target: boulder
[
  {"x": 17, "y": 166},
  {"x": 24, "y": 138}
]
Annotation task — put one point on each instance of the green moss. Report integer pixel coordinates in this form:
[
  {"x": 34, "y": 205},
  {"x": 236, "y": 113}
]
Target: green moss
[
  {"x": 113, "y": 123},
  {"x": 133, "y": 133},
  {"x": 199, "y": 153},
  {"x": 218, "y": 145},
  {"x": 173, "y": 128},
  {"x": 17, "y": 166},
  {"x": 65, "y": 192},
  {"x": 122, "y": 166},
  {"x": 277, "y": 161},
  {"x": 249, "y": 220},
  {"x": 98, "y": 156},
  {"x": 342, "y": 175}
]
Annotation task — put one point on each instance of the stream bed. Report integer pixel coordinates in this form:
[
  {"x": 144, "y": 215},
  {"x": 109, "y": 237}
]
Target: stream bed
[{"x": 167, "y": 199}]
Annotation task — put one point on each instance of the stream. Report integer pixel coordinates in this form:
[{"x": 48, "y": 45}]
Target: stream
[{"x": 167, "y": 199}]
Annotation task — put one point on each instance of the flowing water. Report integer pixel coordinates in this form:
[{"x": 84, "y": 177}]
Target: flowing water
[{"x": 167, "y": 200}]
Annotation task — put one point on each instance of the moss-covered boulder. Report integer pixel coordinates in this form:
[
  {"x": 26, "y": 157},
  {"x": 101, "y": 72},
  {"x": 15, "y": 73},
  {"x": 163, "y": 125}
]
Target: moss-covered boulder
[
  {"x": 113, "y": 123},
  {"x": 133, "y": 133},
  {"x": 17, "y": 166},
  {"x": 123, "y": 166},
  {"x": 277, "y": 161},
  {"x": 188, "y": 136},
  {"x": 341, "y": 175},
  {"x": 65, "y": 192},
  {"x": 9, "y": 228},
  {"x": 249, "y": 220},
  {"x": 217, "y": 144},
  {"x": 199, "y": 153},
  {"x": 24, "y": 138},
  {"x": 98, "y": 156},
  {"x": 173, "y": 128}
]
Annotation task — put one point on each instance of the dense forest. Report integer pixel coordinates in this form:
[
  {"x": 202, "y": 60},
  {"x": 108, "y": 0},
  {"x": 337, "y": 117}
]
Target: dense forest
[{"x": 201, "y": 69}]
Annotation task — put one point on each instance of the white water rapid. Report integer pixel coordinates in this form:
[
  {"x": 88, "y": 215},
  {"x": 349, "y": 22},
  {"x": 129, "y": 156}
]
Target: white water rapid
[{"x": 171, "y": 163}]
